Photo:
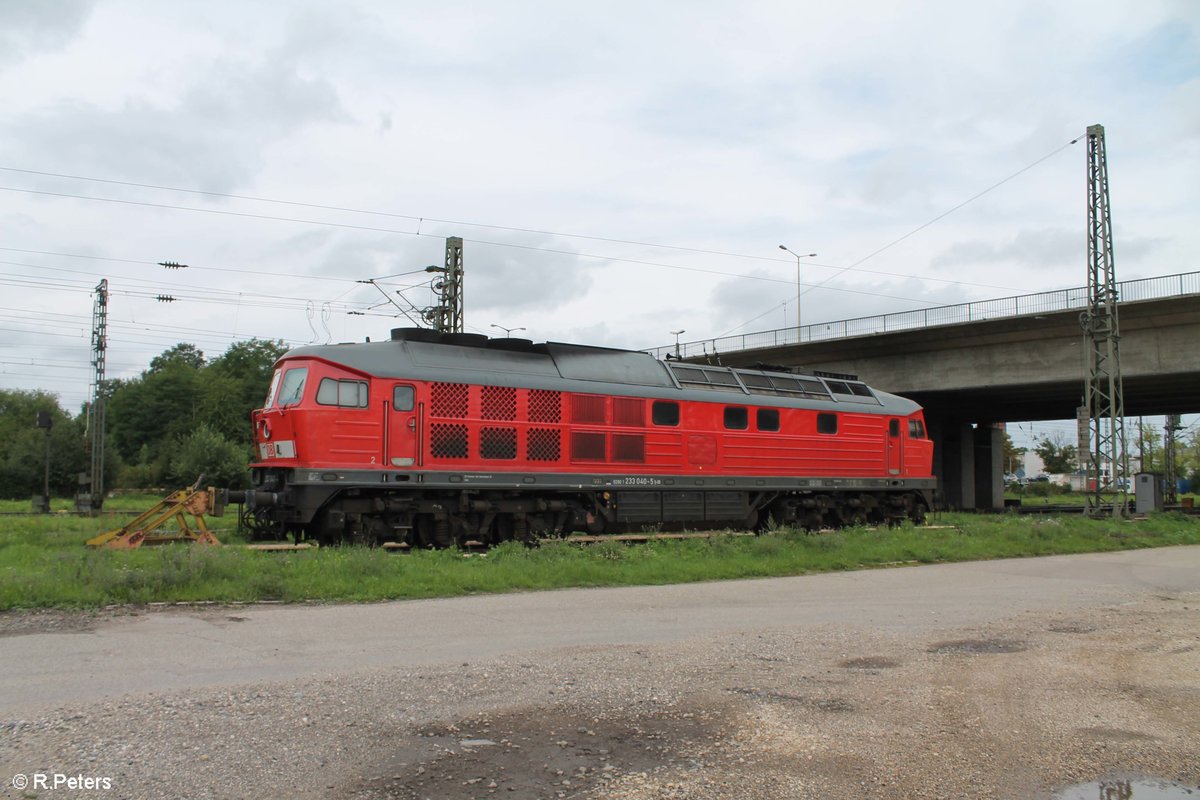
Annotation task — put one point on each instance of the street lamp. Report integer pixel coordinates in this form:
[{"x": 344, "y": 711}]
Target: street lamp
[
  {"x": 677, "y": 353},
  {"x": 798, "y": 257},
  {"x": 507, "y": 331}
]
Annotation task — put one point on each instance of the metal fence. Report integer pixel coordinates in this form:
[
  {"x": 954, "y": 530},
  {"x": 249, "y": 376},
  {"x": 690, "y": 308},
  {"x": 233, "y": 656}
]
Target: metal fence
[{"x": 1043, "y": 302}]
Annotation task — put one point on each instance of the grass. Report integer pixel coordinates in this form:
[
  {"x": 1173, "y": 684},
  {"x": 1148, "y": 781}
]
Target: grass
[
  {"x": 125, "y": 501},
  {"x": 1072, "y": 499},
  {"x": 43, "y": 562}
]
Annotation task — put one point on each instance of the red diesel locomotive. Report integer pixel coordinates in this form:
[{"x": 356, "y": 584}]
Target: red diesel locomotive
[{"x": 434, "y": 439}]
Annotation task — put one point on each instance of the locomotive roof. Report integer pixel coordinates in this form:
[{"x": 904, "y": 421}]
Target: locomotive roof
[{"x": 419, "y": 354}]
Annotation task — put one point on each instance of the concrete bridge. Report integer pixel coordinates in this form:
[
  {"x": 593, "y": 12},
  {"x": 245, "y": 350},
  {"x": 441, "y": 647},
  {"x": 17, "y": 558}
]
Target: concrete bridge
[{"x": 1008, "y": 360}]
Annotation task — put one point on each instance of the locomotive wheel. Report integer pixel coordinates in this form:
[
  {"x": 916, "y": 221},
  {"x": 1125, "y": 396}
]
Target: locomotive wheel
[{"x": 261, "y": 524}]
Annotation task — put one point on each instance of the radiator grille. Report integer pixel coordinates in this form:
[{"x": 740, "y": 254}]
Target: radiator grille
[
  {"x": 545, "y": 406},
  {"x": 629, "y": 448},
  {"x": 498, "y": 443},
  {"x": 587, "y": 446},
  {"x": 448, "y": 440},
  {"x": 499, "y": 402},
  {"x": 449, "y": 400},
  {"x": 589, "y": 409},
  {"x": 543, "y": 444},
  {"x": 629, "y": 411}
]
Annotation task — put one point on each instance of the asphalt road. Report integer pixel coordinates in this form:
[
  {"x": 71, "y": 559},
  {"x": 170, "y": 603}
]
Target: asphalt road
[{"x": 188, "y": 648}]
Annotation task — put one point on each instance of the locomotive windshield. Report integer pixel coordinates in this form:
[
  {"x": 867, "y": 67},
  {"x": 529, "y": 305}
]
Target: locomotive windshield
[
  {"x": 274, "y": 388},
  {"x": 292, "y": 388}
]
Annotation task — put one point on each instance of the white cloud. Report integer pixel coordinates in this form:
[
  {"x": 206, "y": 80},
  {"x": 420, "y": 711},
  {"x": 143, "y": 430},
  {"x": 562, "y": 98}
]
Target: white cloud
[{"x": 718, "y": 126}]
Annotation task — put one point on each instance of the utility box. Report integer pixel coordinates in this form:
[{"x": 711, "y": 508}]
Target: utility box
[{"x": 1148, "y": 493}]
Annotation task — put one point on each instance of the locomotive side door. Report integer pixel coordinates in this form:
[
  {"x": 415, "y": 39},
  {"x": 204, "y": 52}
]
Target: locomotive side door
[
  {"x": 402, "y": 427},
  {"x": 895, "y": 446}
]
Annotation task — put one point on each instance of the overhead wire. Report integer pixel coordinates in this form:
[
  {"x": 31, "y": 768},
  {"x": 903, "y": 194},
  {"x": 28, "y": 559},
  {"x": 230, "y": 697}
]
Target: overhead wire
[
  {"x": 511, "y": 245},
  {"x": 918, "y": 229},
  {"x": 272, "y": 301},
  {"x": 420, "y": 219}
]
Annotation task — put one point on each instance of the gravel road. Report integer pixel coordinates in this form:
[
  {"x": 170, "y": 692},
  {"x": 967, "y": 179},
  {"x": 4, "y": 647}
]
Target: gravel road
[{"x": 1003, "y": 679}]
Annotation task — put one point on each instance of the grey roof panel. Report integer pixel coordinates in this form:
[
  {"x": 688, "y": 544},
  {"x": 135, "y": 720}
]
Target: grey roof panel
[
  {"x": 565, "y": 367},
  {"x": 476, "y": 359},
  {"x": 582, "y": 363}
]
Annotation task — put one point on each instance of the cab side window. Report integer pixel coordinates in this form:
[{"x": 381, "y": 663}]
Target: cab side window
[{"x": 345, "y": 394}]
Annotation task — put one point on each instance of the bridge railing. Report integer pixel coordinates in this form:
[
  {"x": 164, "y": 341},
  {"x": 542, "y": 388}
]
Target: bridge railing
[{"x": 977, "y": 311}]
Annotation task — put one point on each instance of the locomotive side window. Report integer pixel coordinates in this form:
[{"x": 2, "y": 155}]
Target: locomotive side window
[
  {"x": 894, "y": 428},
  {"x": 916, "y": 429},
  {"x": 346, "y": 394},
  {"x": 827, "y": 423},
  {"x": 767, "y": 419},
  {"x": 665, "y": 412},
  {"x": 736, "y": 418},
  {"x": 292, "y": 388},
  {"x": 402, "y": 398}
]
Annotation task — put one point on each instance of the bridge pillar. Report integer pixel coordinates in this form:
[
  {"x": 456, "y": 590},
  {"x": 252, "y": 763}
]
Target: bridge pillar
[
  {"x": 954, "y": 462},
  {"x": 989, "y": 467},
  {"x": 969, "y": 463}
]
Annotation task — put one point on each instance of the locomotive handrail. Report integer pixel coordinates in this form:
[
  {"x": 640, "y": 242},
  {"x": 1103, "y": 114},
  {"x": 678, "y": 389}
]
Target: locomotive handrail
[{"x": 1183, "y": 283}]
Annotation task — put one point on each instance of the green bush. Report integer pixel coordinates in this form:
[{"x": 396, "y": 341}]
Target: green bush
[{"x": 206, "y": 452}]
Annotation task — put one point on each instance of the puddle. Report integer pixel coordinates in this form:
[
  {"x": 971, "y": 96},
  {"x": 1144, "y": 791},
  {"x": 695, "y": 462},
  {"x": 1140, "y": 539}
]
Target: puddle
[
  {"x": 832, "y": 704},
  {"x": 1133, "y": 789},
  {"x": 869, "y": 662},
  {"x": 536, "y": 754},
  {"x": 978, "y": 646}
]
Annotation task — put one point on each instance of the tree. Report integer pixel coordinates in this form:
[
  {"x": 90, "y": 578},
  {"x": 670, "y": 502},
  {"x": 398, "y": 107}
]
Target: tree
[
  {"x": 1058, "y": 457},
  {"x": 181, "y": 354},
  {"x": 1013, "y": 455},
  {"x": 208, "y": 453},
  {"x": 181, "y": 394},
  {"x": 160, "y": 405},
  {"x": 23, "y": 457},
  {"x": 1150, "y": 448},
  {"x": 236, "y": 383},
  {"x": 1187, "y": 457}
]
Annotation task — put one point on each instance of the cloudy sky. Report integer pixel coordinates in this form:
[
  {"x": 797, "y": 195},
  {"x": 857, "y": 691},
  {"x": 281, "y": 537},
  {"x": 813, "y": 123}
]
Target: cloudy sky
[{"x": 618, "y": 170}]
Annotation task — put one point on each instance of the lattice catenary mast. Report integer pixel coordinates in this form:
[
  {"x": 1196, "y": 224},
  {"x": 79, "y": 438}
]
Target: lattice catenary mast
[
  {"x": 1174, "y": 424},
  {"x": 1102, "y": 417},
  {"x": 447, "y": 315},
  {"x": 93, "y": 499}
]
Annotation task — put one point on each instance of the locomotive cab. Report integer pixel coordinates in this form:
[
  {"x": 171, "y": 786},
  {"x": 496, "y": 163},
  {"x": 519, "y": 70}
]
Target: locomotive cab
[
  {"x": 327, "y": 415},
  {"x": 274, "y": 431}
]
